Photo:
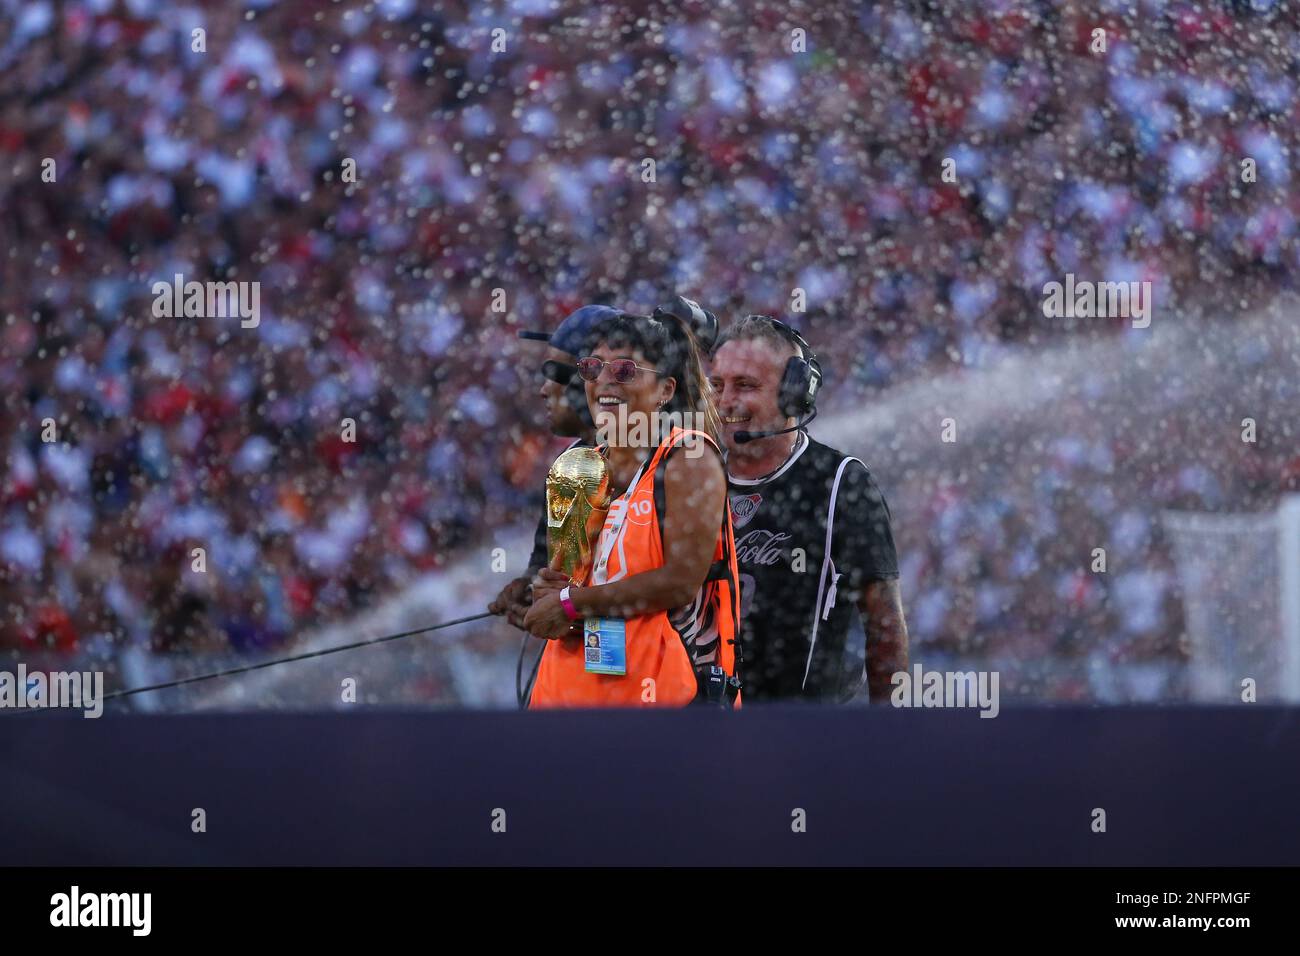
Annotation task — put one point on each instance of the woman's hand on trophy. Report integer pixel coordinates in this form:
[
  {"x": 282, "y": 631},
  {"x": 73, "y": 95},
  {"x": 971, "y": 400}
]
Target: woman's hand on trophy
[{"x": 546, "y": 618}]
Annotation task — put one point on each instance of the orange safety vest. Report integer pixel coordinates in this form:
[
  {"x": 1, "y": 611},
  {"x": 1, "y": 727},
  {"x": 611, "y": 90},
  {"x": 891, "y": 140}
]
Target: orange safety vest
[{"x": 661, "y": 659}]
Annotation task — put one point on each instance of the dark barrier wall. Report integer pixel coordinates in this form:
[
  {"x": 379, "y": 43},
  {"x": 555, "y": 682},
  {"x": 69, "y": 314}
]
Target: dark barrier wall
[{"x": 877, "y": 787}]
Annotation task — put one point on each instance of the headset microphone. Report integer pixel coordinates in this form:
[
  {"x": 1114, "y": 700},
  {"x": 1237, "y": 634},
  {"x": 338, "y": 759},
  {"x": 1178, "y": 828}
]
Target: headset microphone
[{"x": 741, "y": 438}]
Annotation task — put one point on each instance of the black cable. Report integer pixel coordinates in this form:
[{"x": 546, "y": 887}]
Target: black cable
[
  {"x": 532, "y": 678},
  {"x": 520, "y": 697},
  {"x": 519, "y": 672},
  {"x": 295, "y": 657},
  {"x": 524, "y": 691}
]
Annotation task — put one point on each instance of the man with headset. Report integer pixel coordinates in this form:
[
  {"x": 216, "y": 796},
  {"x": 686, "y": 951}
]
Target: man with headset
[{"x": 818, "y": 569}]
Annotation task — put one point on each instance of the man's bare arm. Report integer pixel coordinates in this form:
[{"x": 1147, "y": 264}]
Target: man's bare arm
[{"x": 881, "y": 605}]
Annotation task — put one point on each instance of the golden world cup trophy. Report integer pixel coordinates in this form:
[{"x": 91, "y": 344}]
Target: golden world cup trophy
[{"x": 577, "y": 500}]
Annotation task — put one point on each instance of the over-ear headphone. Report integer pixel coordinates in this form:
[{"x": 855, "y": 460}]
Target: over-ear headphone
[
  {"x": 702, "y": 323},
  {"x": 802, "y": 378}
]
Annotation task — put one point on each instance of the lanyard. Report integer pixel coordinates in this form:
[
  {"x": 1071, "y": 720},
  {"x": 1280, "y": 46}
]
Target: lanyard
[{"x": 610, "y": 535}]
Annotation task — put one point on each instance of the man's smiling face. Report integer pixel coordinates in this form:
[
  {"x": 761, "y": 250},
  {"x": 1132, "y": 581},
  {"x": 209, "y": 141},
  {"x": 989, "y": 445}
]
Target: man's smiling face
[{"x": 746, "y": 380}]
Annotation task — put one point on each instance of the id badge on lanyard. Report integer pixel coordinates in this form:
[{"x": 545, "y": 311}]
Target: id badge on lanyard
[
  {"x": 605, "y": 638},
  {"x": 605, "y": 646}
]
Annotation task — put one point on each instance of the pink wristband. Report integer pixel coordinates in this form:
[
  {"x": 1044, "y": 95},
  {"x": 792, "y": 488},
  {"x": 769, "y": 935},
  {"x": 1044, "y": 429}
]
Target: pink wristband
[{"x": 566, "y": 602}]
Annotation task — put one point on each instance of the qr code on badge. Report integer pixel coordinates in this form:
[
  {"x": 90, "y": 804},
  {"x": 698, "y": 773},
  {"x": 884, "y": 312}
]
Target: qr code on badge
[{"x": 593, "y": 655}]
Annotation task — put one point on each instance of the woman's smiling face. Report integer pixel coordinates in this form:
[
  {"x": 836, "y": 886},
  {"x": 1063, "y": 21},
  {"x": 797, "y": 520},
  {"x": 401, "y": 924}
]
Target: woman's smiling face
[{"x": 640, "y": 397}]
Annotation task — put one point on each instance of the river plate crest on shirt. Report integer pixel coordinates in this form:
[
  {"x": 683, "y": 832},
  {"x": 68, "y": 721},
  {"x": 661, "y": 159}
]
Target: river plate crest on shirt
[{"x": 744, "y": 507}]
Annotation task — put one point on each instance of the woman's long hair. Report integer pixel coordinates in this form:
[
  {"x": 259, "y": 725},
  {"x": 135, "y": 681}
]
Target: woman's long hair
[{"x": 669, "y": 346}]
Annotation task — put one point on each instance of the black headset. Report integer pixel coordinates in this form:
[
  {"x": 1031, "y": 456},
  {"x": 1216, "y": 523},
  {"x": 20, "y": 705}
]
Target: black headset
[
  {"x": 702, "y": 323},
  {"x": 802, "y": 378}
]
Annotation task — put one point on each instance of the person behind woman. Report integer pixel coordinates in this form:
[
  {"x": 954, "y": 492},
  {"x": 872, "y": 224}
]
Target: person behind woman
[{"x": 661, "y": 599}]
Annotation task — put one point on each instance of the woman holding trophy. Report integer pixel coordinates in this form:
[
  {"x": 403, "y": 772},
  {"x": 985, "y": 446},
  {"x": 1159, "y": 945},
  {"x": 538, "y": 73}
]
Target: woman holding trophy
[{"x": 641, "y": 603}]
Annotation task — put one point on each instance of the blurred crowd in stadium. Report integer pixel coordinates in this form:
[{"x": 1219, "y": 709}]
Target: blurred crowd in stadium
[{"x": 521, "y": 169}]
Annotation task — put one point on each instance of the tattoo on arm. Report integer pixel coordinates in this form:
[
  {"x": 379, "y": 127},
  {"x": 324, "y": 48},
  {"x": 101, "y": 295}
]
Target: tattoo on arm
[{"x": 881, "y": 605}]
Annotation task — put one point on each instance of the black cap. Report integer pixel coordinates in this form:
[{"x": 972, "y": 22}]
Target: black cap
[{"x": 571, "y": 334}]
